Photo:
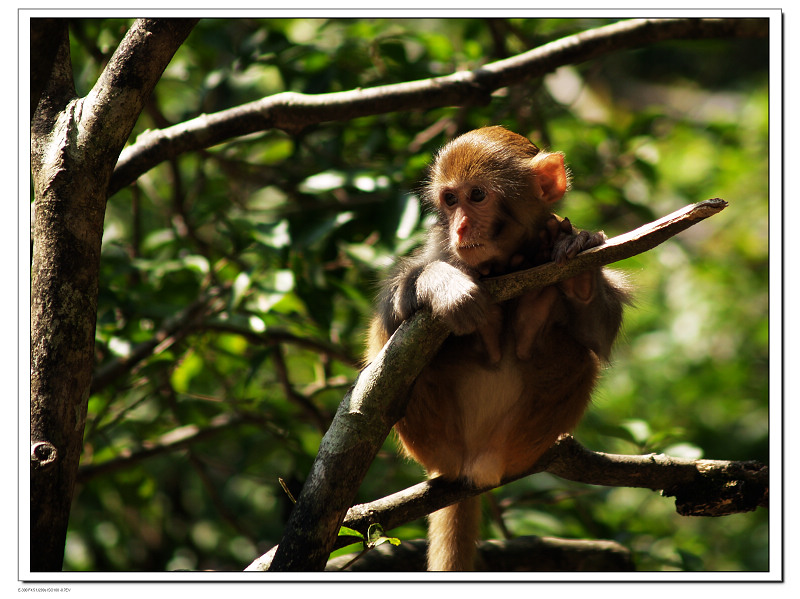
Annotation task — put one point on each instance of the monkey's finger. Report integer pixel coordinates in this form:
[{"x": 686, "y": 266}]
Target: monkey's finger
[{"x": 553, "y": 228}]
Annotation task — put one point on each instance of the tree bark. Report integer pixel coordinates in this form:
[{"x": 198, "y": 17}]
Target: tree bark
[{"x": 75, "y": 143}]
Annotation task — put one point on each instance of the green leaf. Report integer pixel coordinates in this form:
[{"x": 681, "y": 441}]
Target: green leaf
[
  {"x": 240, "y": 286},
  {"x": 349, "y": 532},
  {"x": 376, "y": 536},
  {"x": 639, "y": 430},
  {"x": 191, "y": 365}
]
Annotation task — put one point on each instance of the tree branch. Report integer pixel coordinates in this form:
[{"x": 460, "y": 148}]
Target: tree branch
[
  {"x": 619, "y": 248},
  {"x": 195, "y": 318},
  {"x": 700, "y": 487},
  {"x": 174, "y": 440},
  {"x": 180, "y": 438},
  {"x": 378, "y": 398},
  {"x": 729, "y": 487},
  {"x": 276, "y": 336},
  {"x": 316, "y": 415},
  {"x": 120, "y": 93},
  {"x": 292, "y": 111}
]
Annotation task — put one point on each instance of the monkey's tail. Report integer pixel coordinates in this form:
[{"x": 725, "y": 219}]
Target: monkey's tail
[{"x": 452, "y": 536}]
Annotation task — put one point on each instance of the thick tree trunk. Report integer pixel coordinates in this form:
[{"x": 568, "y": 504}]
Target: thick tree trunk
[
  {"x": 66, "y": 230},
  {"x": 75, "y": 143}
]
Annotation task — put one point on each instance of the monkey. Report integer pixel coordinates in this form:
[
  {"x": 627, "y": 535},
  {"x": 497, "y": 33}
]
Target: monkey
[{"x": 512, "y": 377}]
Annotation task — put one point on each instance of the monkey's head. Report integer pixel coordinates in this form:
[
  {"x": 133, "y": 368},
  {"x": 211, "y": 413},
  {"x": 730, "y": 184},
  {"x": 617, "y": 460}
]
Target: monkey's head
[{"x": 493, "y": 189}]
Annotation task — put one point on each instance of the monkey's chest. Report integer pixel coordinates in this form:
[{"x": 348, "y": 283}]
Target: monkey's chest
[
  {"x": 486, "y": 397},
  {"x": 461, "y": 387},
  {"x": 463, "y": 416},
  {"x": 466, "y": 418}
]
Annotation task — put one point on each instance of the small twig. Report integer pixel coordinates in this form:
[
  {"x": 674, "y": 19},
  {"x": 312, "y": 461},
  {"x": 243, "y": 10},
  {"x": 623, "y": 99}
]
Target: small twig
[
  {"x": 275, "y": 336},
  {"x": 174, "y": 329},
  {"x": 320, "y": 419},
  {"x": 212, "y": 489}
]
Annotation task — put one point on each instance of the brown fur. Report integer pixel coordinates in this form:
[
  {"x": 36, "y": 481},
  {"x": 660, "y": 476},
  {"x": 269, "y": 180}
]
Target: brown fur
[
  {"x": 452, "y": 534},
  {"x": 513, "y": 377}
]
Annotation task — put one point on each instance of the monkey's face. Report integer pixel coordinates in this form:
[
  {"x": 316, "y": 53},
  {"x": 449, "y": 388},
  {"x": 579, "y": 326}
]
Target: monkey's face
[{"x": 480, "y": 233}]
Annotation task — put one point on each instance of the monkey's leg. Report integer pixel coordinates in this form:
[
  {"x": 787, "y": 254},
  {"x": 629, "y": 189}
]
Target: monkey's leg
[
  {"x": 532, "y": 312},
  {"x": 452, "y": 536}
]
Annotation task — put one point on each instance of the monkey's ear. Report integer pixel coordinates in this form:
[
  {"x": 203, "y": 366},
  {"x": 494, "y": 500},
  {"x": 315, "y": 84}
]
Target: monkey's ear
[{"x": 550, "y": 179}]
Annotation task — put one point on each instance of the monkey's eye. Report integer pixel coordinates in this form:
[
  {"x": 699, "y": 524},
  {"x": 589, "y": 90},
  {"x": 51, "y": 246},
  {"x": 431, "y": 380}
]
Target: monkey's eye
[
  {"x": 450, "y": 199},
  {"x": 477, "y": 195}
]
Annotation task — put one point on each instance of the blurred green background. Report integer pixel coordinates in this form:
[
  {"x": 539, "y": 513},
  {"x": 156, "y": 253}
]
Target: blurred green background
[{"x": 296, "y": 230}]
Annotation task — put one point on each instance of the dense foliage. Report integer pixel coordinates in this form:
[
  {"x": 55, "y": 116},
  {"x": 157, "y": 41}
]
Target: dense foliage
[{"x": 281, "y": 238}]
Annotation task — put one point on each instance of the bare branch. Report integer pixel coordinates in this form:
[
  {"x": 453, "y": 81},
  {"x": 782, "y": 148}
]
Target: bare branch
[
  {"x": 619, "y": 248},
  {"x": 700, "y": 487},
  {"x": 293, "y": 112},
  {"x": 568, "y": 459}
]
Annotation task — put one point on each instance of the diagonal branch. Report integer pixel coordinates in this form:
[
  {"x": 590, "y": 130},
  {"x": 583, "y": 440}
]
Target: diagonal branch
[
  {"x": 292, "y": 112},
  {"x": 619, "y": 248},
  {"x": 378, "y": 398}
]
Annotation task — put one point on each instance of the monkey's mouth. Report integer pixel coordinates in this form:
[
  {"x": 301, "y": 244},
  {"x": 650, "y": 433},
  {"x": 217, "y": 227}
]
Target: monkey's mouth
[{"x": 468, "y": 246}]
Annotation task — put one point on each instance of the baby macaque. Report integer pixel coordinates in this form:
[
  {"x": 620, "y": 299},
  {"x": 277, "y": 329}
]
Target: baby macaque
[{"x": 512, "y": 377}]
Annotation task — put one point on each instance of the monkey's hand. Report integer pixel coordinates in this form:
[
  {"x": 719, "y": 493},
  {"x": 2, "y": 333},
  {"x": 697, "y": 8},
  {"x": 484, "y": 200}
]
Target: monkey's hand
[
  {"x": 568, "y": 241},
  {"x": 455, "y": 297},
  {"x": 461, "y": 302}
]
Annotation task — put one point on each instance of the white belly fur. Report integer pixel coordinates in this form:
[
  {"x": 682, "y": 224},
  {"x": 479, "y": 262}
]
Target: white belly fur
[{"x": 488, "y": 399}]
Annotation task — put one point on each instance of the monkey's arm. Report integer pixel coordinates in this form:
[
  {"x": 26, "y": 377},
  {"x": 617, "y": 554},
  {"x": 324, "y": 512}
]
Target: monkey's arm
[
  {"x": 428, "y": 280},
  {"x": 588, "y": 305},
  {"x": 594, "y": 298}
]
